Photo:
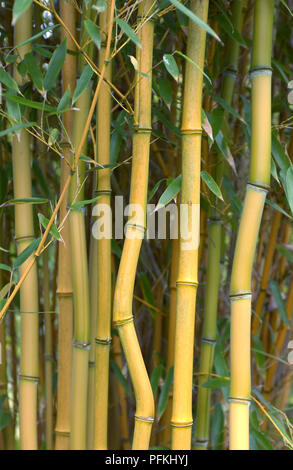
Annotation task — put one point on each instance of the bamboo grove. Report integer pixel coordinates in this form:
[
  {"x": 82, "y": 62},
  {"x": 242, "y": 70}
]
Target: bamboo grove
[{"x": 146, "y": 206}]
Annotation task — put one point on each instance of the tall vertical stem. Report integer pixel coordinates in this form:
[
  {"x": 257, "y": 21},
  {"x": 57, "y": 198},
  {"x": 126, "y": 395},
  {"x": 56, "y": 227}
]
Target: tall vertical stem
[
  {"x": 187, "y": 280},
  {"x": 103, "y": 287},
  {"x": 24, "y": 234},
  {"x": 208, "y": 339},
  {"x": 249, "y": 225},
  {"x": 64, "y": 287}
]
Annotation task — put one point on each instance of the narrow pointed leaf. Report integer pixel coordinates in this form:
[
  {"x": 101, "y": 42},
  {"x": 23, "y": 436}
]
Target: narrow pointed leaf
[
  {"x": 93, "y": 32},
  {"x": 128, "y": 31},
  {"x": 55, "y": 66},
  {"x": 82, "y": 82}
]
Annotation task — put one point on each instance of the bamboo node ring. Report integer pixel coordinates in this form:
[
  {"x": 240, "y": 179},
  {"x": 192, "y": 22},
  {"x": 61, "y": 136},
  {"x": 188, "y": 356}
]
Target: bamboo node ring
[
  {"x": 262, "y": 70},
  {"x": 240, "y": 296},
  {"x": 203, "y": 443},
  {"x": 142, "y": 130},
  {"x": 64, "y": 294},
  {"x": 123, "y": 322},
  {"x": 92, "y": 364},
  {"x": 258, "y": 187},
  {"x": 183, "y": 424},
  {"x": 103, "y": 342},
  {"x": 24, "y": 238},
  {"x": 62, "y": 433},
  {"x": 191, "y": 131},
  {"x": 212, "y": 342},
  {"x": 230, "y": 71},
  {"x": 186, "y": 283},
  {"x": 81, "y": 345},
  {"x": 245, "y": 401},
  {"x": 103, "y": 191},
  {"x": 145, "y": 419},
  {"x": 29, "y": 378}
]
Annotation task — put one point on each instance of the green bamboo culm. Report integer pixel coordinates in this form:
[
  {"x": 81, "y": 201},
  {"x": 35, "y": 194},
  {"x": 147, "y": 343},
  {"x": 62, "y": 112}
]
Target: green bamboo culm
[
  {"x": 24, "y": 235},
  {"x": 103, "y": 246},
  {"x": 64, "y": 285},
  {"x": 123, "y": 296},
  {"x": 249, "y": 224},
  {"x": 208, "y": 339},
  {"x": 187, "y": 280}
]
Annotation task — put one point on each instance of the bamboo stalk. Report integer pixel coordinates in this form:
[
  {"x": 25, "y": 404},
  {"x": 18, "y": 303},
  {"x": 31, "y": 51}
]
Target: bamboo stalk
[
  {"x": 208, "y": 339},
  {"x": 187, "y": 280},
  {"x": 104, "y": 262},
  {"x": 81, "y": 339},
  {"x": 64, "y": 287},
  {"x": 24, "y": 234},
  {"x": 249, "y": 225},
  {"x": 122, "y": 311}
]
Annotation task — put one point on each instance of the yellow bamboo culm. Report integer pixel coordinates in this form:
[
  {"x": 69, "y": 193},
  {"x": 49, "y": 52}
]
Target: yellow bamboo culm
[
  {"x": 24, "y": 235},
  {"x": 187, "y": 280},
  {"x": 122, "y": 309},
  {"x": 249, "y": 225},
  {"x": 104, "y": 262},
  {"x": 64, "y": 287}
]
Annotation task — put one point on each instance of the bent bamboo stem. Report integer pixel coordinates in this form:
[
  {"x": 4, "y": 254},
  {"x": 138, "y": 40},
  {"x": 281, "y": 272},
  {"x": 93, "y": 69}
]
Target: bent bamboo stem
[
  {"x": 122, "y": 312},
  {"x": 249, "y": 225}
]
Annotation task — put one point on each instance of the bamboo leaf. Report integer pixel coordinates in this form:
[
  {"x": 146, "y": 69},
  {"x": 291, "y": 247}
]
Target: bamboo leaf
[
  {"x": 5, "y": 267},
  {"x": 36, "y": 36},
  {"x": 116, "y": 370},
  {"x": 82, "y": 82},
  {"x": 8, "y": 81},
  {"x": 93, "y": 32},
  {"x": 195, "y": 19},
  {"x": 30, "y": 104},
  {"x": 170, "y": 192},
  {"x": 65, "y": 101},
  {"x": 34, "y": 70},
  {"x": 195, "y": 65},
  {"x": 15, "y": 129},
  {"x": 279, "y": 154},
  {"x": 171, "y": 66},
  {"x": 165, "y": 90},
  {"x": 227, "y": 107},
  {"x": 28, "y": 200},
  {"x": 19, "y": 7},
  {"x": 286, "y": 6},
  {"x": 53, "y": 230},
  {"x": 26, "y": 253},
  {"x": 79, "y": 204},
  {"x": 163, "y": 398},
  {"x": 216, "y": 383},
  {"x": 155, "y": 378},
  {"x": 217, "y": 427},
  {"x": 155, "y": 189},
  {"x": 128, "y": 31},
  {"x": 5, "y": 418},
  {"x": 279, "y": 301},
  {"x": 211, "y": 184},
  {"x": 55, "y": 66}
]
